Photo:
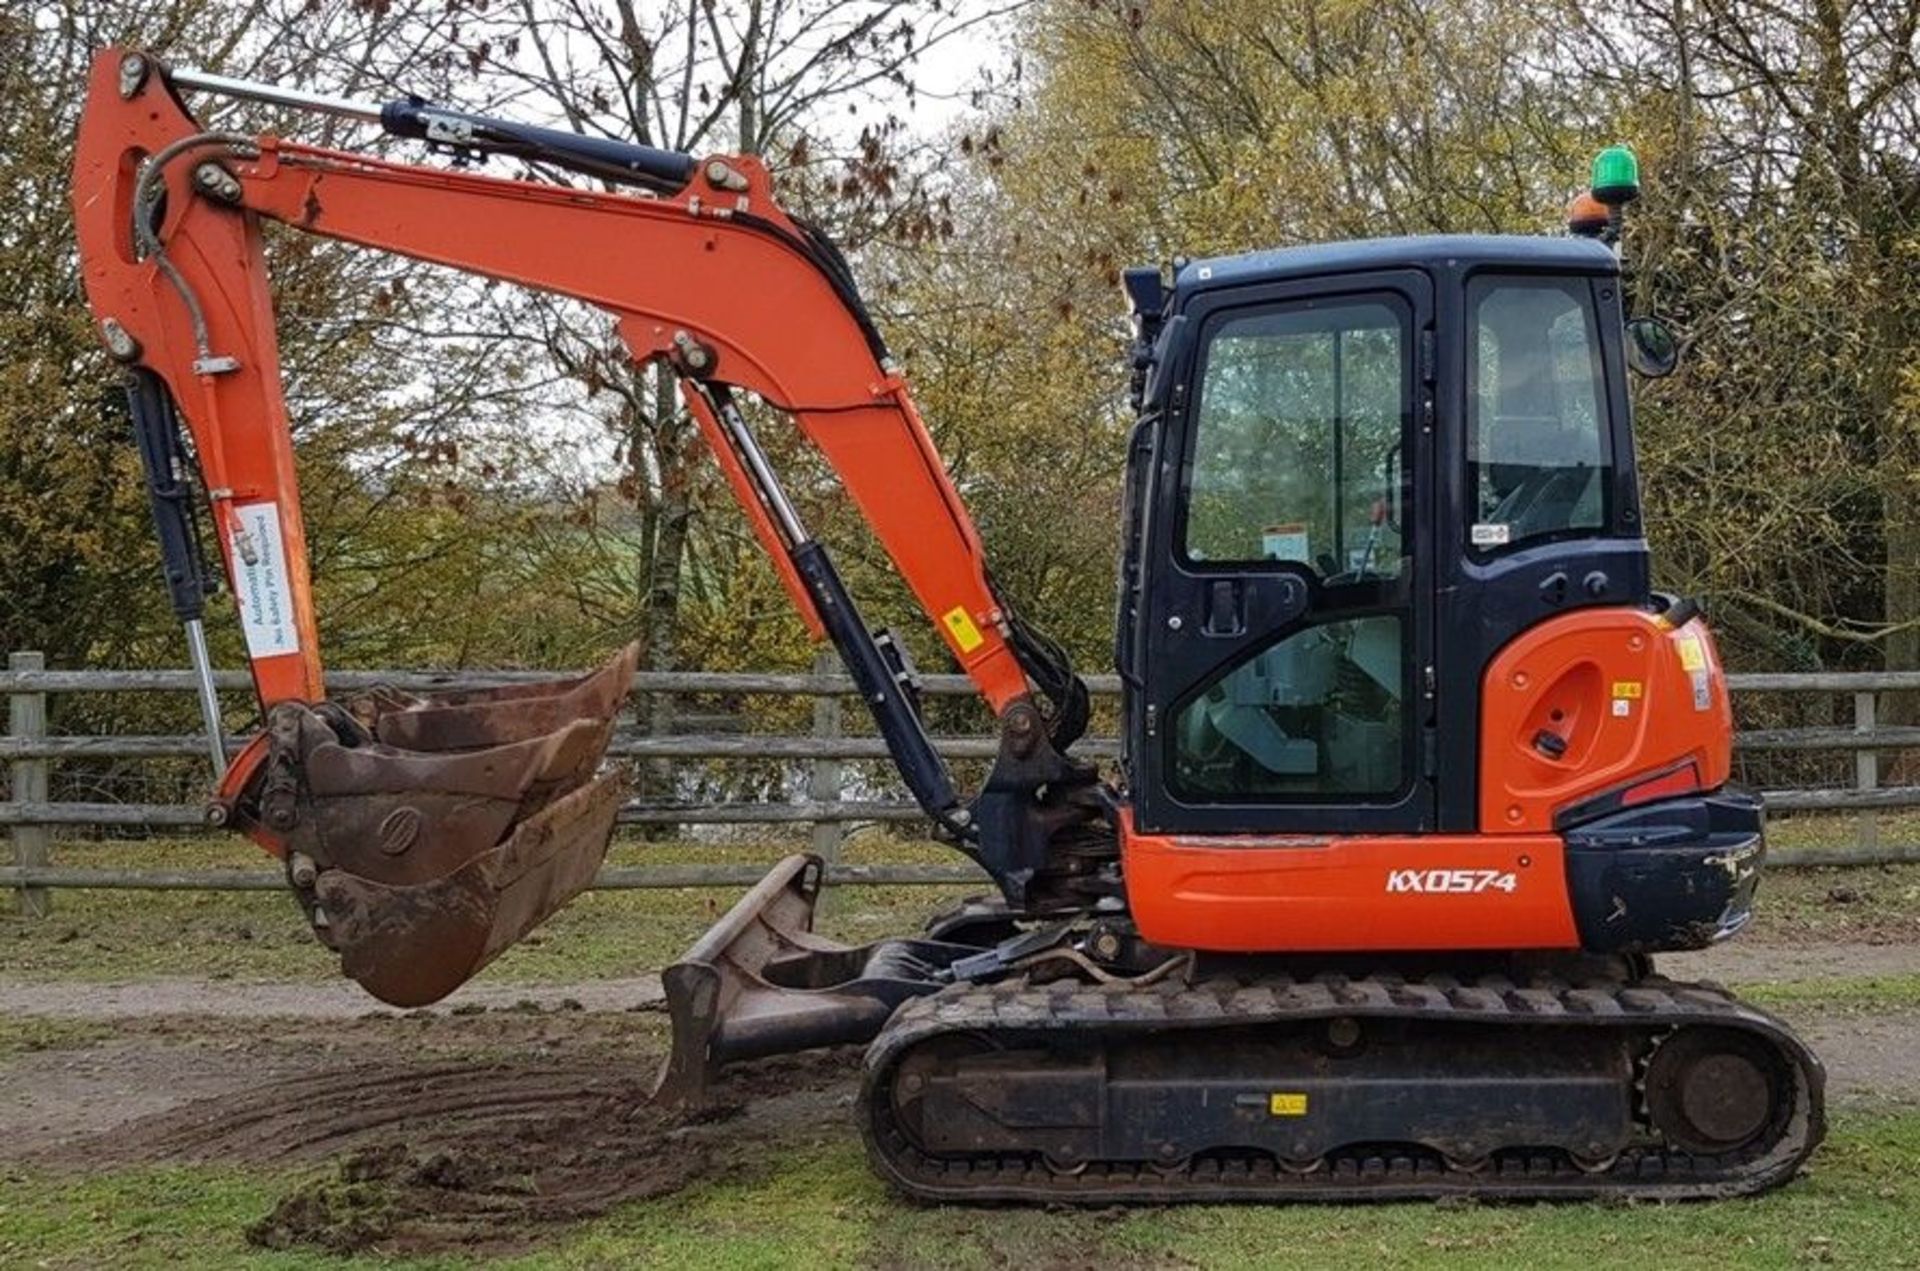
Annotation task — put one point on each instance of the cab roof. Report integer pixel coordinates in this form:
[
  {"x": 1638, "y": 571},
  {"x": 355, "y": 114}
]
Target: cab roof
[{"x": 1518, "y": 251}]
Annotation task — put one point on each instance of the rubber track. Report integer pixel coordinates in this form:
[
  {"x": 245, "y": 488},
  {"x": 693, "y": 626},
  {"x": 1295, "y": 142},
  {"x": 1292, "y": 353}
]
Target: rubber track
[{"x": 1027, "y": 1013}]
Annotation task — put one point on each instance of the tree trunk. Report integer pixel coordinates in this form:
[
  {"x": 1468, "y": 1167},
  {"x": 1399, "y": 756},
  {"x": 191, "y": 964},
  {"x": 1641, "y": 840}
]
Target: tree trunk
[
  {"x": 1900, "y": 506},
  {"x": 661, "y": 567}
]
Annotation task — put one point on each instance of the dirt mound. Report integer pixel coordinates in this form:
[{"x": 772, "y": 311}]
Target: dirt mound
[
  {"x": 488, "y": 1190},
  {"x": 478, "y": 1157}
]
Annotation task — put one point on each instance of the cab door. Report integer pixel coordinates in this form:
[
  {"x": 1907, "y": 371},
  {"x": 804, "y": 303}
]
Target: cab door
[{"x": 1285, "y": 628}]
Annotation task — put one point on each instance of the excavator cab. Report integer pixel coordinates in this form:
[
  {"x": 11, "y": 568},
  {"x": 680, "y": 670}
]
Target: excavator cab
[
  {"x": 1385, "y": 589},
  {"x": 1362, "y": 469}
]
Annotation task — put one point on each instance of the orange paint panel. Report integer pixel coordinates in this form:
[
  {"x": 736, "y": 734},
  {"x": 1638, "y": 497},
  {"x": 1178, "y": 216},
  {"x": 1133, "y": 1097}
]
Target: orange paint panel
[
  {"x": 887, "y": 463},
  {"x": 1306, "y": 894},
  {"x": 239, "y": 774},
  {"x": 1627, "y": 695}
]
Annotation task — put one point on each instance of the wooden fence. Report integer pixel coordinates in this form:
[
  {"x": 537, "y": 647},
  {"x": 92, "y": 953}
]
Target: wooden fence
[{"x": 32, "y": 816}]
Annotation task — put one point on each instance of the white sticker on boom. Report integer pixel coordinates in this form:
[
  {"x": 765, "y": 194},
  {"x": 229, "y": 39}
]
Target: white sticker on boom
[
  {"x": 260, "y": 584},
  {"x": 1492, "y": 534}
]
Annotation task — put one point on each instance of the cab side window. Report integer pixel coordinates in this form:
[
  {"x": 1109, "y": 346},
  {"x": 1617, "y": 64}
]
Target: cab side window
[
  {"x": 1538, "y": 451},
  {"x": 1296, "y": 441}
]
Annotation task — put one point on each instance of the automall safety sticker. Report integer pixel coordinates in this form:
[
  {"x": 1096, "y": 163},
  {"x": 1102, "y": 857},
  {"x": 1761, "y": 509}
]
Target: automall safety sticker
[
  {"x": 260, "y": 584},
  {"x": 965, "y": 634},
  {"x": 1692, "y": 656}
]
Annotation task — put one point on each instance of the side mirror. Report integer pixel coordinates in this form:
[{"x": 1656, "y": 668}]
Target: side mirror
[{"x": 1652, "y": 348}]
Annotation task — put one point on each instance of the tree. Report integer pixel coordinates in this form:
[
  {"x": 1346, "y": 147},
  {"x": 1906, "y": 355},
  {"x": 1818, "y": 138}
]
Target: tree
[
  {"x": 1133, "y": 134},
  {"x": 399, "y": 411},
  {"x": 1781, "y": 231}
]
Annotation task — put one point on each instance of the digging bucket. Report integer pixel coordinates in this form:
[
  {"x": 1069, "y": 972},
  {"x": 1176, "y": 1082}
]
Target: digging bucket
[{"x": 425, "y": 834}]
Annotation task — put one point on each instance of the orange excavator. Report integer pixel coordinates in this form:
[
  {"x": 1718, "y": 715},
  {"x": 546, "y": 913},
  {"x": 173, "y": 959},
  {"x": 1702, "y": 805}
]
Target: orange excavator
[{"x": 1418, "y": 774}]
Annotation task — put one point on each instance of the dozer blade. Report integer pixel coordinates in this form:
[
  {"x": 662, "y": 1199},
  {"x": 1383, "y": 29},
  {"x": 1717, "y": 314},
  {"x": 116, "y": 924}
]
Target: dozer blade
[
  {"x": 426, "y": 834},
  {"x": 760, "y": 982}
]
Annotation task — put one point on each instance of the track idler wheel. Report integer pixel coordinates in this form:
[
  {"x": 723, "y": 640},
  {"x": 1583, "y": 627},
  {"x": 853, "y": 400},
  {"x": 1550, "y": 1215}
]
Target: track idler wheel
[
  {"x": 424, "y": 835},
  {"x": 1712, "y": 1091}
]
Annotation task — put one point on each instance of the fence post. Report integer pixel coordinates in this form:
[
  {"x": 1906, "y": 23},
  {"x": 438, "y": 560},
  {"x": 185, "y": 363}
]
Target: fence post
[
  {"x": 32, "y": 844},
  {"x": 1866, "y": 771},
  {"x": 827, "y": 776}
]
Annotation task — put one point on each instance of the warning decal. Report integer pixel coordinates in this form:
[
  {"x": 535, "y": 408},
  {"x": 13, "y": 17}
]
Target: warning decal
[
  {"x": 260, "y": 585},
  {"x": 966, "y": 636},
  {"x": 1288, "y": 1103}
]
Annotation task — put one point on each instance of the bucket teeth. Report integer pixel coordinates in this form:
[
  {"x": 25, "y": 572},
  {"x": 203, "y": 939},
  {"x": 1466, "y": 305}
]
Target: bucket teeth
[{"x": 436, "y": 831}]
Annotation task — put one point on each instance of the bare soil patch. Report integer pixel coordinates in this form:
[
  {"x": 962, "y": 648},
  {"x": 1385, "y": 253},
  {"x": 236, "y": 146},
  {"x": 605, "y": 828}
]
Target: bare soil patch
[
  {"x": 338, "y": 999},
  {"x": 479, "y": 1155},
  {"x": 484, "y": 1161},
  {"x": 1741, "y": 961},
  {"x": 56, "y": 1100}
]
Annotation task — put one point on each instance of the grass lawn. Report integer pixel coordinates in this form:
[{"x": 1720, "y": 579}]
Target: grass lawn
[
  {"x": 817, "y": 1205},
  {"x": 1867, "y": 994}
]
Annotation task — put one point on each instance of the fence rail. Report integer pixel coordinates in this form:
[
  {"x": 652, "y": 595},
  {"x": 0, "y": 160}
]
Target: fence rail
[{"x": 31, "y": 815}]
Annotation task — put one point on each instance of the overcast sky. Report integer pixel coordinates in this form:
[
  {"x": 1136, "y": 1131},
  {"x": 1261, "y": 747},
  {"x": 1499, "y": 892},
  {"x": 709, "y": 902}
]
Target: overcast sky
[{"x": 948, "y": 73}]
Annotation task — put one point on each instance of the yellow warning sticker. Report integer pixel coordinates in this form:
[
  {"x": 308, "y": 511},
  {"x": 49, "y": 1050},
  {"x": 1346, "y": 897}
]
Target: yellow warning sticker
[
  {"x": 1692, "y": 656},
  {"x": 1626, "y": 688},
  {"x": 1289, "y": 1104},
  {"x": 965, "y": 635}
]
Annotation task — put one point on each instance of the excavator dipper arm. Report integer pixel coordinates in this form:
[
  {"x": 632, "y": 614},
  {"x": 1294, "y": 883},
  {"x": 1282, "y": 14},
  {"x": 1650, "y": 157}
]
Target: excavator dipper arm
[{"x": 424, "y": 835}]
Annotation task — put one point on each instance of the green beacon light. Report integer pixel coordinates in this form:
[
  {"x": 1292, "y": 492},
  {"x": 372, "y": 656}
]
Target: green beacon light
[{"x": 1616, "y": 176}]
